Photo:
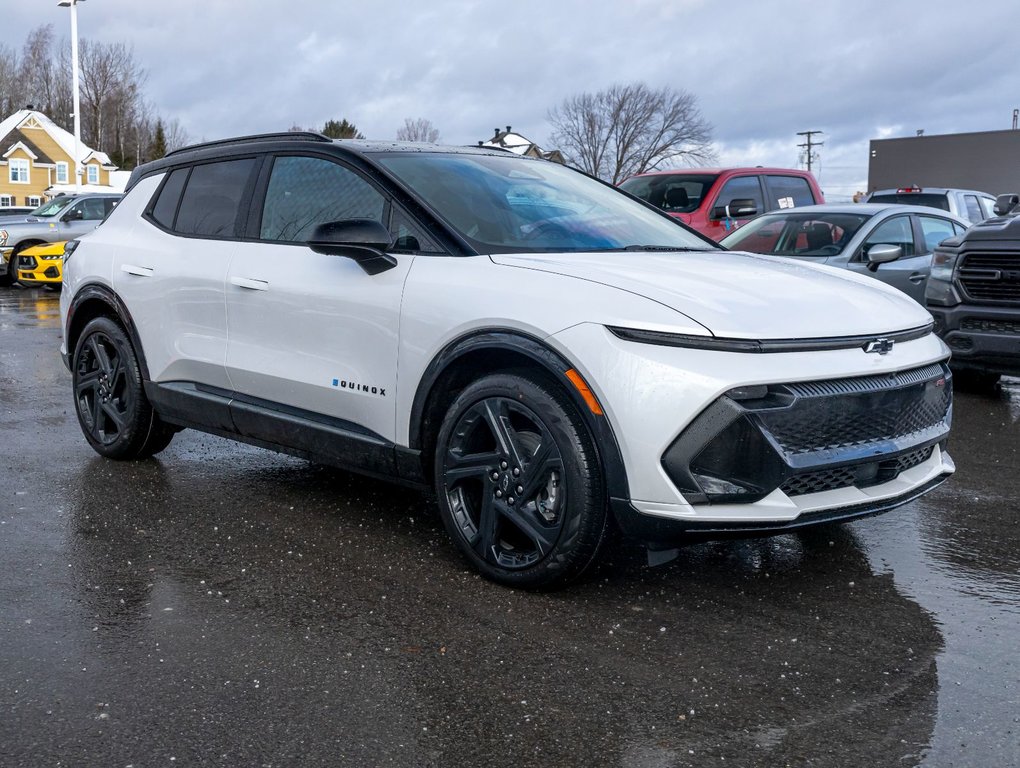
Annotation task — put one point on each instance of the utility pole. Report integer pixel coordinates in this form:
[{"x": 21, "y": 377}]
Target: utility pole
[{"x": 808, "y": 144}]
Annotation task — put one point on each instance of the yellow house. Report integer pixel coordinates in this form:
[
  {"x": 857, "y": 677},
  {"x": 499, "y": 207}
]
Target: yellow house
[{"x": 36, "y": 161}]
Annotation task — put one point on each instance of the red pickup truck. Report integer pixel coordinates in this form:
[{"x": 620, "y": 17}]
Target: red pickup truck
[{"x": 715, "y": 201}]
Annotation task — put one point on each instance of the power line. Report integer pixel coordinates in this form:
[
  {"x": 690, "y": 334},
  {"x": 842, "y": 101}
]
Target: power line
[{"x": 808, "y": 144}]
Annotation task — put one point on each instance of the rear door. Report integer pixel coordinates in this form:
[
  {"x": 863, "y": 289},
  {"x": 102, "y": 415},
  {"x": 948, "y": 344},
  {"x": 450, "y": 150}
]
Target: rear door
[
  {"x": 311, "y": 332},
  {"x": 173, "y": 276},
  {"x": 788, "y": 191}
]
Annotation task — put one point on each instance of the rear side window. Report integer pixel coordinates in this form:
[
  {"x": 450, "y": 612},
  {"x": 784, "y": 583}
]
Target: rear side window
[
  {"x": 165, "y": 208},
  {"x": 212, "y": 198},
  {"x": 973, "y": 208},
  {"x": 935, "y": 231},
  {"x": 307, "y": 191},
  {"x": 789, "y": 191}
]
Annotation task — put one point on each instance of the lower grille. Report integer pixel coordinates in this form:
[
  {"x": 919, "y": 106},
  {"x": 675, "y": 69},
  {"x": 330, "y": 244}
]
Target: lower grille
[
  {"x": 857, "y": 476},
  {"x": 982, "y": 325}
]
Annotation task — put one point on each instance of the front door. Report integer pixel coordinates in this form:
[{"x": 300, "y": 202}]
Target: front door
[{"x": 313, "y": 332}]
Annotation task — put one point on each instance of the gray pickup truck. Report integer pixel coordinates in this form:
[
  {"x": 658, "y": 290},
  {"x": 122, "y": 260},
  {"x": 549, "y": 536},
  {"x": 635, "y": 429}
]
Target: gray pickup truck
[{"x": 63, "y": 218}]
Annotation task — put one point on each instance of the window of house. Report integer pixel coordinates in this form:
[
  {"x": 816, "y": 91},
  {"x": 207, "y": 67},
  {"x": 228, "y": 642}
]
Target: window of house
[
  {"x": 6, "y": 201},
  {"x": 34, "y": 200},
  {"x": 19, "y": 170},
  {"x": 61, "y": 173},
  {"x": 307, "y": 191},
  {"x": 212, "y": 198},
  {"x": 93, "y": 171}
]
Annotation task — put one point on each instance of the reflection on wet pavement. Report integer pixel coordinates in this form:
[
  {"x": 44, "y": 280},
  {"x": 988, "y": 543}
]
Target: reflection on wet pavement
[{"x": 224, "y": 605}]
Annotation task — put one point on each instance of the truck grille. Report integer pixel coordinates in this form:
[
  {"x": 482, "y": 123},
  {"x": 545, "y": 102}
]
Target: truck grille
[
  {"x": 991, "y": 276},
  {"x": 983, "y": 325}
]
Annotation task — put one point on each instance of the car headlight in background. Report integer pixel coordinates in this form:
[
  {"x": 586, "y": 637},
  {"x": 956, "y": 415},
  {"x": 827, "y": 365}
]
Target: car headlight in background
[
  {"x": 939, "y": 289},
  {"x": 3, "y": 237}
]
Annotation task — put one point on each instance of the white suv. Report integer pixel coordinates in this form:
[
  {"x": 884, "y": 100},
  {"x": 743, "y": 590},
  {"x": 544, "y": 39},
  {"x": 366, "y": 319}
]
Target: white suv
[{"x": 551, "y": 356}]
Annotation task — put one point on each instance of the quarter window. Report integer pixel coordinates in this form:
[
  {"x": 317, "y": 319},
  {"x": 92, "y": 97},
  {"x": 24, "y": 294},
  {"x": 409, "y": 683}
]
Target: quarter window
[
  {"x": 212, "y": 198},
  {"x": 19, "y": 170},
  {"x": 61, "y": 173},
  {"x": 304, "y": 192},
  {"x": 93, "y": 174},
  {"x": 165, "y": 208}
]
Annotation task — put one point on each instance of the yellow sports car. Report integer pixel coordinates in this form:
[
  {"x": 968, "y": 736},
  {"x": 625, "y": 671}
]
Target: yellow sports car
[{"x": 41, "y": 265}]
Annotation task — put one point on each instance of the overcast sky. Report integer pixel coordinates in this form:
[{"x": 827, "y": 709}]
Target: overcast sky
[{"x": 761, "y": 70}]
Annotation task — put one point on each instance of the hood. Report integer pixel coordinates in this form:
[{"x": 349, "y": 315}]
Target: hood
[{"x": 743, "y": 295}]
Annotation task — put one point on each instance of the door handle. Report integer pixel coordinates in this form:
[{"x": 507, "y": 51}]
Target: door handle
[
  {"x": 250, "y": 283},
  {"x": 131, "y": 269},
  {"x": 917, "y": 278}
]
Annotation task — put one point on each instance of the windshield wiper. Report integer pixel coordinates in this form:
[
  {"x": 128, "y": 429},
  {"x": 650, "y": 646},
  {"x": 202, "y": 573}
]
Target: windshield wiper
[{"x": 659, "y": 248}]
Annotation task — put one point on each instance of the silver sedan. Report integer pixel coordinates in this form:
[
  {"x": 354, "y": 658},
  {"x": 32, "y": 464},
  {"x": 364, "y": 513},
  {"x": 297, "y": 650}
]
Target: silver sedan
[{"x": 892, "y": 243}]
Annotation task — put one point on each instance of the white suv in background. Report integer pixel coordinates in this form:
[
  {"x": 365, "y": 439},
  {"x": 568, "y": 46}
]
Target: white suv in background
[{"x": 551, "y": 356}]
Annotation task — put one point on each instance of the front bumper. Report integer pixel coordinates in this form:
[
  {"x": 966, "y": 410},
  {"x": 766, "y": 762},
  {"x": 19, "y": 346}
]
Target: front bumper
[
  {"x": 864, "y": 451},
  {"x": 984, "y": 338}
]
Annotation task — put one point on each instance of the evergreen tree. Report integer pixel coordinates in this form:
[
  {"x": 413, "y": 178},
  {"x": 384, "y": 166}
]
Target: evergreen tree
[
  {"x": 158, "y": 147},
  {"x": 341, "y": 130}
]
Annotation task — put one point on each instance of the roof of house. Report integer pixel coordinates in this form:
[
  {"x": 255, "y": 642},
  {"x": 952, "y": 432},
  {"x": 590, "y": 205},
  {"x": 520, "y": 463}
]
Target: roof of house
[
  {"x": 15, "y": 137},
  {"x": 63, "y": 138},
  {"x": 520, "y": 145}
]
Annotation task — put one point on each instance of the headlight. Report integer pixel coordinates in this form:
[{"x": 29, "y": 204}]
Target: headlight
[
  {"x": 939, "y": 290},
  {"x": 3, "y": 237},
  {"x": 69, "y": 247}
]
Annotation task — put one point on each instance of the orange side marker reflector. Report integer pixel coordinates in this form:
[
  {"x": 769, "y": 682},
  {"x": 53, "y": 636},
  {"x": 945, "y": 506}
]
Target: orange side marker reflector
[{"x": 582, "y": 387}]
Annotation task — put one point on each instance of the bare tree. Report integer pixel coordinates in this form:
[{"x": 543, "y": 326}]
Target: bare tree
[
  {"x": 628, "y": 129},
  {"x": 419, "y": 129},
  {"x": 38, "y": 73},
  {"x": 12, "y": 91}
]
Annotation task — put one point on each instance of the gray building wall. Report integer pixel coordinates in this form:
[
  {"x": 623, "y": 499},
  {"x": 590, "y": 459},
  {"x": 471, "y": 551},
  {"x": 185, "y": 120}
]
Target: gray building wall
[{"x": 988, "y": 161}]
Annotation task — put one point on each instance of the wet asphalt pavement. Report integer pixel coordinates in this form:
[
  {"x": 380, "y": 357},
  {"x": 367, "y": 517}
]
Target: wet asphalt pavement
[{"x": 223, "y": 605}]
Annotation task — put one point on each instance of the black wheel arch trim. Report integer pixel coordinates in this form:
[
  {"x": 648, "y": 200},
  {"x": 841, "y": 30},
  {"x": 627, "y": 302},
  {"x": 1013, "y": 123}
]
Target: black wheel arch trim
[
  {"x": 106, "y": 295},
  {"x": 553, "y": 363}
]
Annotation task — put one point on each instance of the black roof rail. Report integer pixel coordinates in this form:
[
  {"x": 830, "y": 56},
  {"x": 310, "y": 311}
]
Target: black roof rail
[{"x": 297, "y": 135}]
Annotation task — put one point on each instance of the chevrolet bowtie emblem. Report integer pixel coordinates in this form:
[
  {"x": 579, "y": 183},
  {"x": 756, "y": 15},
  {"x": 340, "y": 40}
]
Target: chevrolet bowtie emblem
[{"x": 881, "y": 346}]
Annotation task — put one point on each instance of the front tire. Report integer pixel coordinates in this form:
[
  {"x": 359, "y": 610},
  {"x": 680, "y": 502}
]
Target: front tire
[
  {"x": 112, "y": 409},
  {"x": 519, "y": 483}
]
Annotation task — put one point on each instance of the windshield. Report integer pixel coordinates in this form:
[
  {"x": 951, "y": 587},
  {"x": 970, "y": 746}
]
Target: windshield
[
  {"x": 53, "y": 207},
  {"x": 508, "y": 204},
  {"x": 816, "y": 233},
  {"x": 672, "y": 192}
]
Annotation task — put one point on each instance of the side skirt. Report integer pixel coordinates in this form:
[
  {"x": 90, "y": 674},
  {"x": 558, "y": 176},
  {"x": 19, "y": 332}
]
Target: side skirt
[{"x": 284, "y": 429}]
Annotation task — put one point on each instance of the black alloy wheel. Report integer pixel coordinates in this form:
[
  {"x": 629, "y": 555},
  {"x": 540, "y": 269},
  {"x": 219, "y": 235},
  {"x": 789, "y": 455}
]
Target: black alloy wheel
[
  {"x": 519, "y": 484},
  {"x": 112, "y": 409}
]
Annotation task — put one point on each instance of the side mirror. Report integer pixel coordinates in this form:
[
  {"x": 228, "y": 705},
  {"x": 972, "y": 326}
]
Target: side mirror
[
  {"x": 1005, "y": 204},
  {"x": 364, "y": 240},
  {"x": 739, "y": 208},
  {"x": 76, "y": 215},
  {"x": 883, "y": 254}
]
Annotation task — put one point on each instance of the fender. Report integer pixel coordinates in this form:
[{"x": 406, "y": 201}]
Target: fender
[
  {"x": 553, "y": 363},
  {"x": 106, "y": 295}
]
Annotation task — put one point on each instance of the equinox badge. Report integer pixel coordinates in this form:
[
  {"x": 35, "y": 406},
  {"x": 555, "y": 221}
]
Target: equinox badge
[{"x": 881, "y": 346}]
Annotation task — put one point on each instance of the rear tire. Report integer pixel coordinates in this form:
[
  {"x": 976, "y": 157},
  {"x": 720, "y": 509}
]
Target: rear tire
[
  {"x": 519, "y": 483},
  {"x": 115, "y": 416}
]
